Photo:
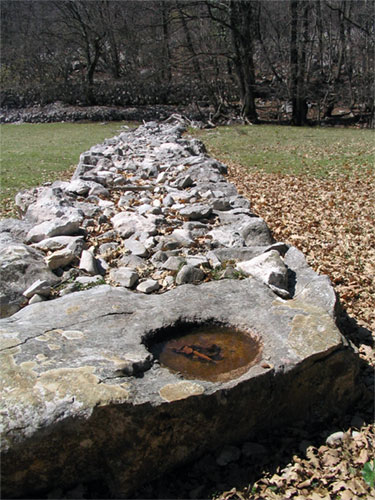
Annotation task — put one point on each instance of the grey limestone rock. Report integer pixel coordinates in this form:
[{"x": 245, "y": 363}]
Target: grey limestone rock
[
  {"x": 221, "y": 204},
  {"x": 89, "y": 280},
  {"x": 14, "y": 229},
  {"x": 143, "y": 209},
  {"x": 60, "y": 258},
  {"x": 89, "y": 263},
  {"x": 79, "y": 187},
  {"x": 196, "y": 212},
  {"x": 168, "y": 200},
  {"x": 173, "y": 263},
  {"x": 204, "y": 173},
  {"x": 40, "y": 287},
  {"x": 270, "y": 269},
  {"x": 77, "y": 372},
  {"x": 124, "y": 276},
  {"x": 57, "y": 243},
  {"x": 161, "y": 178},
  {"x": 241, "y": 254},
  {"x": 61, "y": 226},
  {"x": 183, "y": 182},
  {"x": 25, "y": 198},
  {"x": 256, "y": 232},
  {"x": 37, "y": 298},
  {"x": 335, "y": 438},
  {"x": 189, "y": 274},
  {"x": 182, "y": 236},
  {"x": 133, "y": 261},
  {"x": 76, "y": 246},
  {"x": 237, "y": 216},
  {"x": 148, "y": 286},
  {"x": 107, "y": 248},
  {"x": 51, "y": 202},
  {"x": 226, "y": 236},
  {"x": 310, "y": 286},
  {"x": 136, "y": 247},
  {"x": 20, "y": 267},
  {"x": 196, "y": 260},
  {"x": 127, "y": 224},
  {"x": 99, "y": 190}
]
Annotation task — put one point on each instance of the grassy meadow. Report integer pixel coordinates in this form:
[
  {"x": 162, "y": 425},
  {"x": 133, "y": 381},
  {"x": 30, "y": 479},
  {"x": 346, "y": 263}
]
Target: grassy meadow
[
  {"x": 316, "y": 152},
  {"x": 34, "y": 153}
]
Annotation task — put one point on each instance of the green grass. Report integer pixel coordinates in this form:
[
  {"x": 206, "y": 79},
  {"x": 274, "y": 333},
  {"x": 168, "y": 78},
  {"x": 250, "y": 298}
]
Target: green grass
[
  {"x": 31, "y": 154},
  {"x": 317, "y": 152}
]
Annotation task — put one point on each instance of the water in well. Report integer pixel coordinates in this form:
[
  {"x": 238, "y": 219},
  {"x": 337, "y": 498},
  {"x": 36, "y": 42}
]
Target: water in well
[{"x": 208, "y": 352}]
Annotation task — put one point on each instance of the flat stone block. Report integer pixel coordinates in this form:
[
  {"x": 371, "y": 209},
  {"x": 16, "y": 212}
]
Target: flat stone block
[
  {"x": 92, "y": 402},
  {"x": 124, "y": 276},
  {"x": 148, "y": 286}
]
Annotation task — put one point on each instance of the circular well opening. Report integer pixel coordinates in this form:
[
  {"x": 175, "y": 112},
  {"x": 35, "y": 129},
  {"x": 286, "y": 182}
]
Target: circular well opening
[{"x": 209, "y": 351}]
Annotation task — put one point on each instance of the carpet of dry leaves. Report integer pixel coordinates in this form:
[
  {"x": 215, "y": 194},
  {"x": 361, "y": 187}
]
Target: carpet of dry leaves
[{"x": 333, "y": 223}]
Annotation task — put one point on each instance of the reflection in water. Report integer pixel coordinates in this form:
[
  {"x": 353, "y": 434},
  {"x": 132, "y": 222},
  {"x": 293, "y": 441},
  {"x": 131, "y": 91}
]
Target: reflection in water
[{"x": 209, "y": 352}]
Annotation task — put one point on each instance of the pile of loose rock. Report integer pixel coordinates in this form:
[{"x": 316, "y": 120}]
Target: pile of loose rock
[{"x": 147, "y": 210}]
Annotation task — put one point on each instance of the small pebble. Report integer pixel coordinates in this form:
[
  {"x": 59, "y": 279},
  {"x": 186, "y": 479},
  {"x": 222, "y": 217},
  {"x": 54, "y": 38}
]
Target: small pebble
[
  {"x": 148, "y": 286},
  {"x": 88, "y": 263},
  {"x": 40, "y": 287},
  {"x": 335, "y": 438},
  {"x": 37, "y": 298}
]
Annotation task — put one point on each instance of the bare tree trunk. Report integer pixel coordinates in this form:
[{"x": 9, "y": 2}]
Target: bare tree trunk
[
  {"x": 166, "y": 65},
  {"x": 115, "y": 64},
  {"x": 189, "y": 42},
  {"x": 242, "y": 41},
  {"x": 298, "y": 43},
  {"x": 294, "y": 58}
]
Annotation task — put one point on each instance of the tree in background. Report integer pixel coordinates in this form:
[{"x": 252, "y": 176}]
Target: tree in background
[
  {"x": 299, "y": 37},
  {"x": 239, "y": 56}
]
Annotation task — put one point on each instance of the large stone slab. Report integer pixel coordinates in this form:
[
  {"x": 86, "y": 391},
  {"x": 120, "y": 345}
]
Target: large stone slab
[{"x": 86, "y": 400}]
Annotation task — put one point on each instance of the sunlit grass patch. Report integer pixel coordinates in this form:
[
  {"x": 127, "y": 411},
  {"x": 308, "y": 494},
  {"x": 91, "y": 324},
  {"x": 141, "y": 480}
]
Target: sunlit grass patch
[
  {"x": 31, "y": 154},
  {"x": 316, "y": 152}
]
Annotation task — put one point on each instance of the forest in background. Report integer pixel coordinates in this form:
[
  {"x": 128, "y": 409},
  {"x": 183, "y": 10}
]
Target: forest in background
[{"x": 299, "y": 61}]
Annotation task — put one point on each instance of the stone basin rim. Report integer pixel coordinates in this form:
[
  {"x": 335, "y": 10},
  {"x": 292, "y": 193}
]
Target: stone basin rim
[
  {"x": 193, "y": 362},
  {"x": 161, "y": 333}
]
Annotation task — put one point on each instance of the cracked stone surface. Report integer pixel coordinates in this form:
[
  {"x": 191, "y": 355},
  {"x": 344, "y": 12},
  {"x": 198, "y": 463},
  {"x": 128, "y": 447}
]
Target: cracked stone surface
[{"x": 84, "y": 398}]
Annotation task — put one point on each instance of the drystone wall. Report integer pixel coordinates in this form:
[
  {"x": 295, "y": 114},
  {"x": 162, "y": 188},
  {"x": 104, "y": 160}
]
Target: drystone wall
[
  {"x": 58, "y": 112},
  {"x": 147, "y": 237},
  {"x": 148, "y": 211}
]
